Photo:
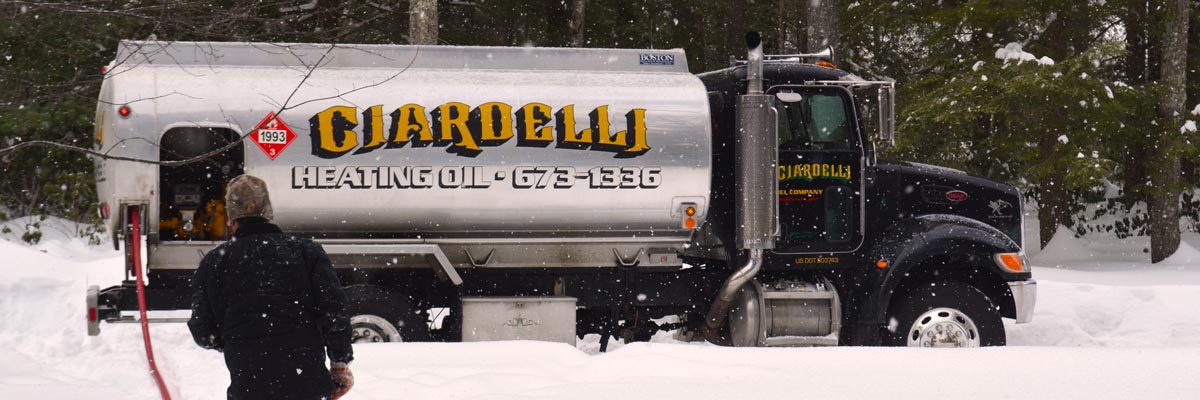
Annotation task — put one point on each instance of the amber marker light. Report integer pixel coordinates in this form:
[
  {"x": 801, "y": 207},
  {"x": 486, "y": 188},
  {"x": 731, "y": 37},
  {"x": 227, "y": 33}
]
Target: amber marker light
[
  {"x": 1011, "y": 262},
  {"x": 881, "y": 264},
  {"x": 124, "y": 111},
  {"x": 689, "y": 216},
  {"x": 826, "y": 64}
]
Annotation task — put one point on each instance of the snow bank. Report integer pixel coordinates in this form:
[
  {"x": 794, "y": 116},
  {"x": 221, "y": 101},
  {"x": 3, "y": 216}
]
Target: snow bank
[
  {"x": 1126, "y": 330},
  {"x": 59, "y": 235},
  {"x": 44, "y": 329},
  {"x": 1186, "y": 255},
  {"x": 525, "y": 370},
  {"x": 1065, "y": 247},
  {"x": 1089, "y": 315}
]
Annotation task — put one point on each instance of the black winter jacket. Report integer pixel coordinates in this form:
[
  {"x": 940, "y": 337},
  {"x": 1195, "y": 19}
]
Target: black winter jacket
[{"x": 266, "y": 287}]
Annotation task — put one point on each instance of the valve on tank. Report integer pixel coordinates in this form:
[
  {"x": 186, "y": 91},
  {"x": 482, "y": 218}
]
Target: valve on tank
[
  {"x": 196, "y": 219},
  {"x": 185, "y": 200}
]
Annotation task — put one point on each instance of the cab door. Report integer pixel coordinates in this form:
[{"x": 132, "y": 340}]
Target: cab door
[{"x": 820, "y": 170}]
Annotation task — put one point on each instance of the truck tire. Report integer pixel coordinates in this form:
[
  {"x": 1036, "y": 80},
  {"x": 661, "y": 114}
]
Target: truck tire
[
  {"x": 944, "y": 314},
  {"x": 380, "y": 315}
]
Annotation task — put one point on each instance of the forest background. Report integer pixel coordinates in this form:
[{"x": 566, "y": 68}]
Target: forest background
[{"x": 1085, "y": 105}]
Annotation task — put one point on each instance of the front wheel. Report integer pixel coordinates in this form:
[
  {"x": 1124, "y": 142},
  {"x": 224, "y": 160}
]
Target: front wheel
[{"x": 944, "y": 314}]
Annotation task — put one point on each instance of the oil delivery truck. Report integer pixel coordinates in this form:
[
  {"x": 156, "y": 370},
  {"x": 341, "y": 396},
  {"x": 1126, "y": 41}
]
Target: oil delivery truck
[{"x": 497, "y": 193}]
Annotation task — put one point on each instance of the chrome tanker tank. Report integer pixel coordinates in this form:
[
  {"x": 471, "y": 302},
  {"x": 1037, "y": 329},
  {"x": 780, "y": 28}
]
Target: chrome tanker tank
[{"x": 463, "y": 145}]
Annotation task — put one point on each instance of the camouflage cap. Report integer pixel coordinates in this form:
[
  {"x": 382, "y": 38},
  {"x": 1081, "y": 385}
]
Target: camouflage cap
[{"x": 246, "y": 196}]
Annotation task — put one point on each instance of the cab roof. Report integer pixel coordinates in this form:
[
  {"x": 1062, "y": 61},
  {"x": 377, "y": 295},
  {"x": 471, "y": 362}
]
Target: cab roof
[{"x": 733, "y": 79}]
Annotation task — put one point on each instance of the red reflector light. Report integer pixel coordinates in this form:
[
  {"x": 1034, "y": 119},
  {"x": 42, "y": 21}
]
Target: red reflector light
[
  {"x": 124, "y": 111},
  {"x": 104, "y": 210},
  {"x": 92, "y": 315},
  {"x": 104, "y": 69},
  {"x": 689, "y": 223},
  {"x": 955, "y": 196}
]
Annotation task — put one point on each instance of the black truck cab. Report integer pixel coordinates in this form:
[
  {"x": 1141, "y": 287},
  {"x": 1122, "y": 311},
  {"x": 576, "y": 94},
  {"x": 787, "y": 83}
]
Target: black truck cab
[{"x": 917, "y": 255}]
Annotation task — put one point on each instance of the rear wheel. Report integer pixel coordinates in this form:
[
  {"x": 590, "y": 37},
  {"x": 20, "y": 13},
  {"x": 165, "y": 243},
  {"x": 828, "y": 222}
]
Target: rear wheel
[
  {"x": 367, "y": 328},
  {"x": 944, "y": 314},
  {"x": 379, "y": 315}
]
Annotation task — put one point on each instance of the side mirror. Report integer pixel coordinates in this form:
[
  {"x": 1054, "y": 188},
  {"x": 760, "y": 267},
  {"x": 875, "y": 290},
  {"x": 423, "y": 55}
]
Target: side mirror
[{"x": 887, "y": 115}]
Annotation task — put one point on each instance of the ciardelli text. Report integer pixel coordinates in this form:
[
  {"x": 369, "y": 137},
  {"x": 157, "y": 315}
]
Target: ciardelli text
[{"x": 466, "y": 131}]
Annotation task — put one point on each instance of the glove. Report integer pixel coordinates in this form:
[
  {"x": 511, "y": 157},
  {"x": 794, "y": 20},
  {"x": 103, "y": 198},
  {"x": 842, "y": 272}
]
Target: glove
[{"x": 343, "y": 380}]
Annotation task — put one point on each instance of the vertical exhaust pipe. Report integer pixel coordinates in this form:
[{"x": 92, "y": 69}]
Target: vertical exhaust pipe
[
  {"x": 757, "y": 154},
  {"x": 754, "y": 64}
]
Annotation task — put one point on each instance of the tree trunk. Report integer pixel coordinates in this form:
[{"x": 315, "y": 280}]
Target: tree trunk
[
  {"x": 577, "y": 8},
  {"x": 422, "y": 21},
  {"x": 1154, "y": 14},
  {"x": 1054, "y": 207},
  {"x": 787, "y": 17},
  {"x": 327, "y": 17},
  {"x": 1135, "y": 43},
  {"x": 696, "y": 45},
  {"x": 1052, "y": 191},
  {"x": 1137, "y": 63},
  {"x": 822, "y": 24},
  {"x": 735, "y": 39},
  {"x": 1164, "y": 169},
  {"x": 1134, "y": 169}
]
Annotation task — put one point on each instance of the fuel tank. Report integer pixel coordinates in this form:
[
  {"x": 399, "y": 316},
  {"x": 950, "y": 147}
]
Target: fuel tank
[{"x": 378, "y": 141}]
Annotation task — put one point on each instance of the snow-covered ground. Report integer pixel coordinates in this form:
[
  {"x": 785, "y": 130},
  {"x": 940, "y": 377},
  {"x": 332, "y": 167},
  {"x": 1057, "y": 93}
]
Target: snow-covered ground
[{"x": 1108, "y": 326}]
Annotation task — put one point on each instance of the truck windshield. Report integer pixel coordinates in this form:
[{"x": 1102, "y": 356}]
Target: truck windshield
[{"x": 817, "y": 121}]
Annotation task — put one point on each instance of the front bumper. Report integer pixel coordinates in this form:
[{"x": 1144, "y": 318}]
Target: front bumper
[{"x": 1024, "y": 295}]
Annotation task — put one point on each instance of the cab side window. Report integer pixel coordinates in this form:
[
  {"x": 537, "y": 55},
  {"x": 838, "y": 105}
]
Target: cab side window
[{"x": 815, "y": 122}]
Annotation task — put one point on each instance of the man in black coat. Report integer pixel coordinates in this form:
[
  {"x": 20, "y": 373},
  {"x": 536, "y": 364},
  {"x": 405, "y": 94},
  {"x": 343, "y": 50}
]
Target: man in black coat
[{"x": 273, "y": 305}]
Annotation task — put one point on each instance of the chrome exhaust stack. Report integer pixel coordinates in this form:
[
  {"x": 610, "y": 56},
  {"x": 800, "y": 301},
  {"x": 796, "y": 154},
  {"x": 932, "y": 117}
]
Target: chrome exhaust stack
[
  {"x": 757, "y": 154},
  {"x": 719, "y": 311},
  {"x": 754, "y": 65}
]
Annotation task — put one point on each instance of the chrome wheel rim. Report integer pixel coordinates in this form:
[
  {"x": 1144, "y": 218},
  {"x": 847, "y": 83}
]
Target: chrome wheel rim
[
  {"x": 363, "y": 334},
  {"x": 943, "y": 327},
  {"x": 372, "y": 329}
]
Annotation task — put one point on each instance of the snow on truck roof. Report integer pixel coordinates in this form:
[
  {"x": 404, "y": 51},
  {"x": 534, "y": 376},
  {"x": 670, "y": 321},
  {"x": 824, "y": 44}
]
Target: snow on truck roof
[{"x": 303, "y": 55}]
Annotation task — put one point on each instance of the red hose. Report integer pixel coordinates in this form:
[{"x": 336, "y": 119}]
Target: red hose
[{"x": 135, "y": 239}]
